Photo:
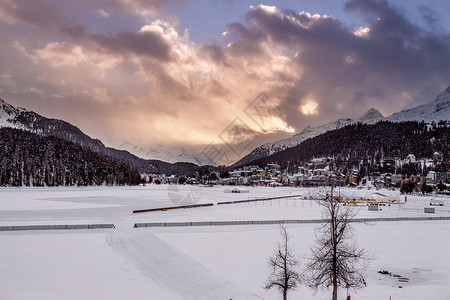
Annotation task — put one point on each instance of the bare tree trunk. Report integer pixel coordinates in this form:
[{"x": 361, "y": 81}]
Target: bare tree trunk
[
  {"x": 334, "y": 274},
  {"x": 284, "y": 294},
  {"x": 334, "y": 238},
  {"x": 335, "y": 291}
]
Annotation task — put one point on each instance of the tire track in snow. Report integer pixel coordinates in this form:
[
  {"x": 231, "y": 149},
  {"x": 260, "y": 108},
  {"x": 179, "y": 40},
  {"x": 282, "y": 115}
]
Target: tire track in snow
[{"x": 173, "y": 269}]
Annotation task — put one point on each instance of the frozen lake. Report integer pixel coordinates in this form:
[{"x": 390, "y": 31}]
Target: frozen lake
[{"x": 219, "y": 262}]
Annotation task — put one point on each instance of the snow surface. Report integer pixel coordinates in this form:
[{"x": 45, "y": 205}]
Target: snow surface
[
  {"x": 434, "y": 111},
  {"x": 7, "y": 112},
  {"x": 217, "y": 262}
]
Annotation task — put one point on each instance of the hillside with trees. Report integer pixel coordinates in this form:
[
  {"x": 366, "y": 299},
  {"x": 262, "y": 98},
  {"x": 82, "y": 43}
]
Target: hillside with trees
[
  {"x": 366, "y": 146},
  {"x": 28, "y": 159},
  {"x": 30, "y": 121}
]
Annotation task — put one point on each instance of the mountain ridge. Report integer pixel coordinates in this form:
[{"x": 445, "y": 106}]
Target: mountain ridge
[
  {"x": 163, "y": 159},
  {"x": 21, "y": 118},
  {"x": 364, "y": 145},
  {"x": 369, "y": 117},
  {"x": 434, "y": 111}
]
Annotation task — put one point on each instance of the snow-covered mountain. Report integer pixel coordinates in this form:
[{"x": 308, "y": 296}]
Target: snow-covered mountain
[
  {"x": 370, "y": 117},
  {"x": 21, "y": 118},
  {"x": 8, "y": 114},
  {"x": 436, "y": 110},
  {"x": 161, "y": 152}
]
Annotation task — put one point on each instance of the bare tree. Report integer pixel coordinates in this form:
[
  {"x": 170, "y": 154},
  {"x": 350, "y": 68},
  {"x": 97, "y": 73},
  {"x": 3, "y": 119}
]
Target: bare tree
[
  {"x": 335, "y": 259},
  {"x": 283, "y": 264}
]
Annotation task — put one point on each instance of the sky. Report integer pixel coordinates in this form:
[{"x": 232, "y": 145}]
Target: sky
[{"x": 211, "y": 72}]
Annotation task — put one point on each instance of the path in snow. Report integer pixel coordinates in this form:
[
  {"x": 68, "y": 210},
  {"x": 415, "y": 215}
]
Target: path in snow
[{"x": 173, "y": 269}]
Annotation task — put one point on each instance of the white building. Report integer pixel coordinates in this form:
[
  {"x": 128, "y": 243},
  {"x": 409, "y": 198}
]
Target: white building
[
  {"x": 411, "y": 158},
  {"x": 431, "y": 176}
]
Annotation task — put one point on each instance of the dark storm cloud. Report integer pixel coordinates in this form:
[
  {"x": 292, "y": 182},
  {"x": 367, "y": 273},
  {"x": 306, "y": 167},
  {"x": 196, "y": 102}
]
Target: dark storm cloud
[
  {"x": 145, "y": 43},
  {"x": 386, "y": 19},
  {"x": 245, "y": 41},
  {"x": 40, "y": 14},
  {"x": 137, "y": 5},
  {"x": 36, "y": 13},
  {"x": 215, "y": 53},
  {"x": 387, "y": 65},
  {"x": 128, "y": 63},
  {"x": 400, "y": 45}
]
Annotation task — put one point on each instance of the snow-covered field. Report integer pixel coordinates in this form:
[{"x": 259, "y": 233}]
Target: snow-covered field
[{"x": 208, "y": 262}]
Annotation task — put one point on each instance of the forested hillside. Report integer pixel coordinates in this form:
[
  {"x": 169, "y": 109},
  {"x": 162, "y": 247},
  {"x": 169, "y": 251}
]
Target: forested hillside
[
  {"x": 28, "y": 159},
  {"x": 355, "y": 144},
  {"x": 30, "y": 121}
]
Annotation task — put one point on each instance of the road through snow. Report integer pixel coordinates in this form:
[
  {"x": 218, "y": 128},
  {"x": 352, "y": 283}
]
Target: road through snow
[{"x": 172, "y": 269}]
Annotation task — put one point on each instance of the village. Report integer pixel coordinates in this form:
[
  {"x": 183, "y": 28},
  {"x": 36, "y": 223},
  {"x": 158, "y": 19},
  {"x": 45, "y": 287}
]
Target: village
[{"x": 410, "y": 175}]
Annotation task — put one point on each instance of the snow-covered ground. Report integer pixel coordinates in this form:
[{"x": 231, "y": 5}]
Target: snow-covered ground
[{"x": 217, "y": 262}]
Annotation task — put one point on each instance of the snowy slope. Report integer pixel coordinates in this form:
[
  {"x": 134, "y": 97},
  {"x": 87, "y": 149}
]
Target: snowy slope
[
  {"x": 7, "y": 114},
  {"x": 370, "y": 117},
  {"x": 436, "y": 110}
]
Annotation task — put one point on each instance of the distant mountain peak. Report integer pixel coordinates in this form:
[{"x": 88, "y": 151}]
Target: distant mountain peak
[
  {"x": 370, "y": 117},
  {"x": 7, "y": 114},
  {"x": 372, "y": 112}
]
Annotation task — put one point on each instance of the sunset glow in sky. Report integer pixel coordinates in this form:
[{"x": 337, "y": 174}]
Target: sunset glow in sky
[{"x": 179, "y": 72}]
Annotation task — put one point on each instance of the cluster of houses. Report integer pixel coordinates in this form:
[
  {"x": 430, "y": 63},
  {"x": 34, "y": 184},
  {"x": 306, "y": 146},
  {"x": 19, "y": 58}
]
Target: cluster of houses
[{"x": 315, "y": 173}]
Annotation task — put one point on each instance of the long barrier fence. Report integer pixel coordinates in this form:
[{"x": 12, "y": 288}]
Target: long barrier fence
[
  {"x": 214, "y": 223},
  {"x": 271, "y": 222},
  {"x": 171, "y": 207},
  {"x": 56, "y": 227},
  {"x": 258, "y": 199}
]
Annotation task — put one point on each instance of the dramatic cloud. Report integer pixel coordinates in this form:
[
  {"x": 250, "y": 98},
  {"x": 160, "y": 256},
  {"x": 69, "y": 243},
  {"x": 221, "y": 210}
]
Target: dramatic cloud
[
  {"x": 124, "y": 70},
  {"x": 388, "y": 62}
]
